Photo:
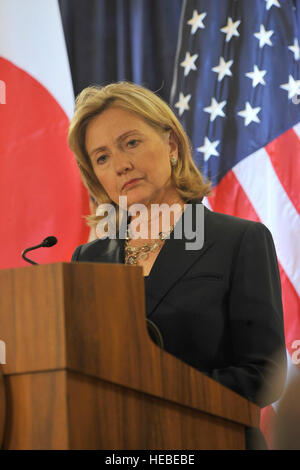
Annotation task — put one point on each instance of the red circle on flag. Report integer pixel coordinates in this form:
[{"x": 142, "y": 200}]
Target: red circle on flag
[{"x": 41, "y": 192}]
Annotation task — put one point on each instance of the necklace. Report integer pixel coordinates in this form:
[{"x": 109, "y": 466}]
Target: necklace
[{"x": 134, "y": 254}]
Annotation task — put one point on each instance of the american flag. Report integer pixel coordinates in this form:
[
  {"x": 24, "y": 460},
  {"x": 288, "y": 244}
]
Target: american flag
[{"x": 236, "y": 90}]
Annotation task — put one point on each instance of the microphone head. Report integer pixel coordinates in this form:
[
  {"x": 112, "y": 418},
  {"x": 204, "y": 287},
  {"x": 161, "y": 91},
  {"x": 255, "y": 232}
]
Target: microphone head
[{"x": 49, "y": 241}]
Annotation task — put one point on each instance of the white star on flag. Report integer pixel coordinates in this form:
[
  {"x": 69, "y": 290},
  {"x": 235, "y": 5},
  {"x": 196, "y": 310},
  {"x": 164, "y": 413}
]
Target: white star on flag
[
  {"x": 250, "y": 114},
  {"x": 264, "y": 36},
  {"x": 182, "y": 103},
  {"x": 215, "y": 109},
  {"x": 209, "y": 148},
  {"x": 231, "y": 29},
  {"x": 295, "y": 49},
  {"x": 270, "y": 3},
  {"x": 257, "y": 76},
  {"x": 293, "y": 87},
  {"x": 223, "y": 68},
  {"x": 189, "y": 63},
  {"x": 197, "y": 21}
]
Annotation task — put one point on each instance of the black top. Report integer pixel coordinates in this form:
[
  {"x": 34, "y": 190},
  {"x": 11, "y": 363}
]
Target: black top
[{"x": 218, "y": 308}]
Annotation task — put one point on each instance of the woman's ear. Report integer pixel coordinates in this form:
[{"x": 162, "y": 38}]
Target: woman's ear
[{"x": 173, "y": 144}]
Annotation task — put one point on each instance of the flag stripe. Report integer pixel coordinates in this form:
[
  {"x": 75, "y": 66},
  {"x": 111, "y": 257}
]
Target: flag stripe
[
  {"x": 274, "y": 209},
  {"x": 230, "y": 198},
  {"x": 267, "y": 420},
  {"x": 283, "y": 153}
]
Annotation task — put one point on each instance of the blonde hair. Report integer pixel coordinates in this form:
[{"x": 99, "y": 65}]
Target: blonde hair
[{"x": 93, "y": 100}]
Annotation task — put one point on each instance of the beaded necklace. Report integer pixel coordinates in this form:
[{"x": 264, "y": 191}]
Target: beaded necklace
[{"x": 134, "y": 254}]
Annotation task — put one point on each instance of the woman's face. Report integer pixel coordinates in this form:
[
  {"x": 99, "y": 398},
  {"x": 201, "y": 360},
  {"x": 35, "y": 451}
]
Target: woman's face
[{"x": 122, "y": 148}]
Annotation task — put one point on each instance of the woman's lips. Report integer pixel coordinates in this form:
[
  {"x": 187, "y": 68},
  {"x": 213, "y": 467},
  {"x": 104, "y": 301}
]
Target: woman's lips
[{"x": 131, "y": 183}]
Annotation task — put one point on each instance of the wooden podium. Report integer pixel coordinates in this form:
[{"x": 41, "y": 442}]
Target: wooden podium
[{"x": 81, "y": 371}]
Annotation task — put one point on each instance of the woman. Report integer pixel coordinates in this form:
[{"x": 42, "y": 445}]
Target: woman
[{"x": 218, "y": 307}]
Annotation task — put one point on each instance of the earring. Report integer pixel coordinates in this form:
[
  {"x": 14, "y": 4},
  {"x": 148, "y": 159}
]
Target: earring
[{"x": 173, "y": 161}]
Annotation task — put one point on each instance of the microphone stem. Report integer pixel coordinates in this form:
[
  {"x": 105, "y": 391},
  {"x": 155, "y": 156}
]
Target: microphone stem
[
  {"x": 28, "y": 260},
  {"x": 30, "y": 249}
]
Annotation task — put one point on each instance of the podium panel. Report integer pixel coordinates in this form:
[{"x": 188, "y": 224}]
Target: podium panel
[{"x": 81, "y": 371}]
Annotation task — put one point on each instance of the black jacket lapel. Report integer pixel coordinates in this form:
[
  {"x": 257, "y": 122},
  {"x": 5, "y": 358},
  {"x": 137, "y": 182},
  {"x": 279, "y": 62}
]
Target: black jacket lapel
[{"x": 173, "y": 261}]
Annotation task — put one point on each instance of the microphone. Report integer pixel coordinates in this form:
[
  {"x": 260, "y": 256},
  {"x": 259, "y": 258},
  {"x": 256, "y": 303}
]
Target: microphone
[
  {"x": 49, "y": 241},
  {"x": 155, "y": 333}
]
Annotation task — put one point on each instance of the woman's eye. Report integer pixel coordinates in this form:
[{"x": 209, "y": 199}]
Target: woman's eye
[
  {"x": 101, "y": 159},
  {"x": 133, "y": 143}
]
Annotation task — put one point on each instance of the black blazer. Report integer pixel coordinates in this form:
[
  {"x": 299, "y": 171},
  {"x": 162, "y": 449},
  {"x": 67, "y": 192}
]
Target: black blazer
[{"x": 219, "y": 309}]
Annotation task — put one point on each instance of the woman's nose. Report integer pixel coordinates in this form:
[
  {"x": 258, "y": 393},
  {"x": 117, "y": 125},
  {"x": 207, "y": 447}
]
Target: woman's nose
[{"x": 122, "y": 162}]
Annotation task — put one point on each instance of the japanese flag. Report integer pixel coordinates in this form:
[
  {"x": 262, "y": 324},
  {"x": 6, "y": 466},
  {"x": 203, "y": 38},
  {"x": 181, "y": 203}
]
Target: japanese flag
[{"x": 41, "y": 193}]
